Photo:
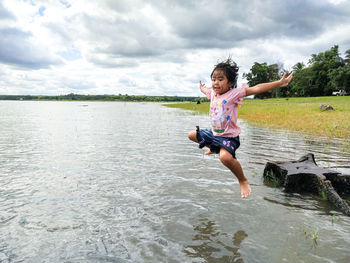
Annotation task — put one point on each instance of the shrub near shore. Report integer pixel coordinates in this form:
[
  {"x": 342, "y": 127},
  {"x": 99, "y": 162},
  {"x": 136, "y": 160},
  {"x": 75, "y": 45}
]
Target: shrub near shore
[{"x": 296, "y": 114}]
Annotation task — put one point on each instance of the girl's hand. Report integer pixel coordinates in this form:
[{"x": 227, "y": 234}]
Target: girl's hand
[
  {"x": 202, "y": 87},
  {"x": 284, "y": 81}
]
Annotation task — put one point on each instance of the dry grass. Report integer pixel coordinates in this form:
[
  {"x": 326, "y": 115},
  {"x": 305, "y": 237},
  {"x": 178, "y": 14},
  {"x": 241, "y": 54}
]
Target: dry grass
[{"x": 296, "y": 114}]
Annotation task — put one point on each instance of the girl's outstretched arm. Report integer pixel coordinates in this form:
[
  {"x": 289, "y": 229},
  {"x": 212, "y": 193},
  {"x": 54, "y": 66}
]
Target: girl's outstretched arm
[
  {"x": 203, "y": 88},
  {"x": 263, "y": 87}
]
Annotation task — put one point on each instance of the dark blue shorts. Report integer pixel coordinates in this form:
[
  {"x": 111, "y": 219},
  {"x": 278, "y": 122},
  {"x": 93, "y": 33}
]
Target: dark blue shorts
[{"x": 206, "y": 137}]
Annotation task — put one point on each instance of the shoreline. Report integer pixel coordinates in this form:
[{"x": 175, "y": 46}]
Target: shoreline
[{"x": 301, "y": 115}]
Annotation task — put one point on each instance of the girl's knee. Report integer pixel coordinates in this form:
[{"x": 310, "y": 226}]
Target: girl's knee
[
  {"x": 192, "y": 135},
  {"x": 225, "y": 157}
]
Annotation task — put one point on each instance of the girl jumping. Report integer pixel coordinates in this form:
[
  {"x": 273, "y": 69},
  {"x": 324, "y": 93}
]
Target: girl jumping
[{"x": 223, "y": 138}]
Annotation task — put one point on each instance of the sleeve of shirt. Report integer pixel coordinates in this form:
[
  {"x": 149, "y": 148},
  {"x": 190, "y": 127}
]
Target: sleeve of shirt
[{"x": 238, "y": 94}]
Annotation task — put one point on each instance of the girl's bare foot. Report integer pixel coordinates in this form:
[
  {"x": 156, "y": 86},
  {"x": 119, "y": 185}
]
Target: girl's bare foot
[{"x": 245, "y": 188}]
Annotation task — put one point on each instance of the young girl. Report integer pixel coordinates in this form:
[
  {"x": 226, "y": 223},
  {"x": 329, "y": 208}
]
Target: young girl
[{"x": 224, "y": 97}]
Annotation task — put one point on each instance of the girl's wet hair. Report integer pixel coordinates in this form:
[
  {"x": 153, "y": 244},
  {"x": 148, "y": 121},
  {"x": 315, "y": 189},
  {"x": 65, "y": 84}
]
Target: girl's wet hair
[{"x": 230, "y": 69}]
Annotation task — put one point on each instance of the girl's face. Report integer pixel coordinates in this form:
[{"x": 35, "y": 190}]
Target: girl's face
[{"x": 220, "y": 82}]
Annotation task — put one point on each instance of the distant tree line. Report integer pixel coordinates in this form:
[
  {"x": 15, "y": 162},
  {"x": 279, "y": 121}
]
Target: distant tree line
[
  {"x": 120, "y": 97},
  {"x": 326, "y": 72}
]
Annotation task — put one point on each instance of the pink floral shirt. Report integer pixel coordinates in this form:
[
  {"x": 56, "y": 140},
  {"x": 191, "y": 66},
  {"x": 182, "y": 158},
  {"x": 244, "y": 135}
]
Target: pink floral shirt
[{"x": 223, "y": 111}]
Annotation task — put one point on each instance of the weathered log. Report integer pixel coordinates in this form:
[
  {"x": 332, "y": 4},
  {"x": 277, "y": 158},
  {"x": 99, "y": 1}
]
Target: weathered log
[{"x": 304, "y": 175}]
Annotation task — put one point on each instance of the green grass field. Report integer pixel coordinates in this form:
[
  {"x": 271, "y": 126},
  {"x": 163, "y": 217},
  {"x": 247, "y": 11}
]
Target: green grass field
[{"x": 296, "y": 114}]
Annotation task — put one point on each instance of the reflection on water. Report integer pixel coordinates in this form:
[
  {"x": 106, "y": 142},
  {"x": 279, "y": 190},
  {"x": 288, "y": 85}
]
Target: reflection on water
[
  {"x": 308, "y": 202},
  {"x": 120, "y": 182},
  {"x": 211, "y": 246}
]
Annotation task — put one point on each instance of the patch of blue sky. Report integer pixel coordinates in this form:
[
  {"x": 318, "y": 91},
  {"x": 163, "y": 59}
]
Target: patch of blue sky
[
  {"x": 65, "y": 3},
  {"x": 42, "y": 10},
  {"x": 71, "y": 54}
]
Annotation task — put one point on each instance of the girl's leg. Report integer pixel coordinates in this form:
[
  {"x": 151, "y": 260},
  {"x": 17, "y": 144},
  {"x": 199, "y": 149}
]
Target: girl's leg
[
  {"x": 192, "y": 135},
  {"x": 235, "y": 167}
]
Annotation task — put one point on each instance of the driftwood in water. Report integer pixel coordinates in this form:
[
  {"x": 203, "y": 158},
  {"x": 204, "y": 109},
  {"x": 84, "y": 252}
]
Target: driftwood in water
[{"x": 304, "y": 175}]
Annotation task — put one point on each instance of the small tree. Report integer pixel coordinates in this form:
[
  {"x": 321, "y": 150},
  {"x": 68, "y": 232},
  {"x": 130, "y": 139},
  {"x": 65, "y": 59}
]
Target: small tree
[
  {"x": 262, "y": 73},
  {"x": 347, "y": 56}
]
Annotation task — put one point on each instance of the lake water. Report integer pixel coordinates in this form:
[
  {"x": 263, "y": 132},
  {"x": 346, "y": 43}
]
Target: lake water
[{"x": 120, "y": 182}]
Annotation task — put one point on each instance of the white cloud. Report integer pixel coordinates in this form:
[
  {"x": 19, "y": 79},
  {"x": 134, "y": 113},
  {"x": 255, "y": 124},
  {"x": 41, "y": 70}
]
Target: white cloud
[
  {"x": 155, "y": 47},
  {"x": 336, "y": 2}
]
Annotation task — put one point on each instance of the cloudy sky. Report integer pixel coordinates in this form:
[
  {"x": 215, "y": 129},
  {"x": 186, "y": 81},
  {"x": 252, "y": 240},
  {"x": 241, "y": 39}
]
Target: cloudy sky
[{"x": 155, "y": 47}]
